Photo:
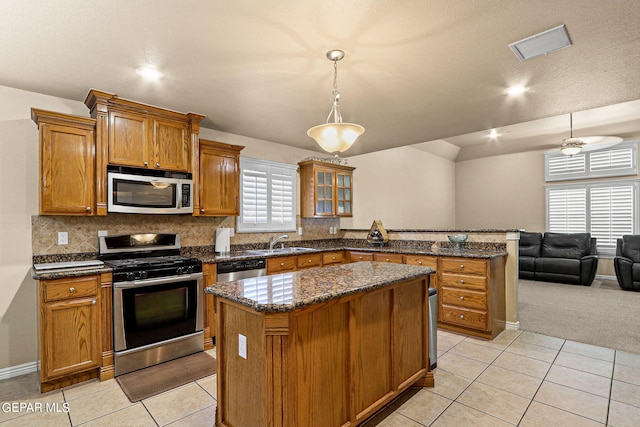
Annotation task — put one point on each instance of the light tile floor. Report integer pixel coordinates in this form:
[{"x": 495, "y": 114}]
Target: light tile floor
[{"x": 520, "y": 378}]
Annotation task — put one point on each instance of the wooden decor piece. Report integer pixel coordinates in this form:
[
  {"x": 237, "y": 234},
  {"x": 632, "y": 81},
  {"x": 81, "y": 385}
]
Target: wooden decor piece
[{"x": 377, "y": 233}]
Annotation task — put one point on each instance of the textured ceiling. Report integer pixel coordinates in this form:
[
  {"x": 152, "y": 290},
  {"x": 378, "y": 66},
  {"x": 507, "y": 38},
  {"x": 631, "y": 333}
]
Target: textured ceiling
[{"x": 427, "y": 72}]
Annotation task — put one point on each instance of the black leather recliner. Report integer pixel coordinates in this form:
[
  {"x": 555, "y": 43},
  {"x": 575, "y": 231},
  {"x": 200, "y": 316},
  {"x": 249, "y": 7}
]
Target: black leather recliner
[
  {"x": 627, "y": 262},
  {"x": 558, "y": 257}
]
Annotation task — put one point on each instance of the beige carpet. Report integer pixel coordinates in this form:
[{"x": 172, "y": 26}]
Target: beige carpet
[
  {"x": 601, "y": 314},
  {"x": 139, "y": 385}
]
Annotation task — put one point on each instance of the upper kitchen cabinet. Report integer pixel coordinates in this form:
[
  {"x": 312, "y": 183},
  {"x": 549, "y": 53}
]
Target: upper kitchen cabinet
[
  {"x": 147, "y": 142},
  {"x": 326, "y": 189},
  {"x": 129, "y": 133},
  {"x": 67, "y": 163},
  {"x": 218, "y": 181}
]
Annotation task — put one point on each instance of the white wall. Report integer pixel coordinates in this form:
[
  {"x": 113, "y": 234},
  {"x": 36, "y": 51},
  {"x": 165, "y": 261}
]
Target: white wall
[
  {"x": 404, "y": 187},
  {"x": 501, "y": 192},
  {"x": 18, "y": 201}
]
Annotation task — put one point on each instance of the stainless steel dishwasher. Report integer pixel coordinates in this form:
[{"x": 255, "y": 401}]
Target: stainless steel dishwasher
[{"x": 241, "y": 269}]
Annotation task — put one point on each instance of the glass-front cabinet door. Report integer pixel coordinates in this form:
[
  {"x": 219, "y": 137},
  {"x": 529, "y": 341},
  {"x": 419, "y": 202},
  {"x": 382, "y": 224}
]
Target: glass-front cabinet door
[
  {"x": 324, "y": 193},
  {"x": 343, "y": 187}
]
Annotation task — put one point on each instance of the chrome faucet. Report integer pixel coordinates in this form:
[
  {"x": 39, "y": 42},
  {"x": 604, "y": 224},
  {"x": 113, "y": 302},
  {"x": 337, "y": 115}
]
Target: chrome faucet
[{"x": 273, "y": 242}]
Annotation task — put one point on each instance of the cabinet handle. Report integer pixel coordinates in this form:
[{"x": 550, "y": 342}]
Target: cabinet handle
[
  {"x": 462, "y": 316},
  {"x": 419, "y": 262},
  {"x": 93, "y": 302},
  {"x": 157, "y": 165},
  {"x": 462, "y": 281},
  {"x": 333, "y": 258},
  {"x": 146, "y": 164},
  {"x": 360, "y": 258},
  {"x": 282, "y": 264},
  {"x": 309, "y": 261},
  {"x": 461, "y": 298},
  {"x": 461, "y": 265},
  {"x": 387, "y": 260},
  {"x": 72, "y": 289},
  {"x": 201, "y": 210},
  {"x": 88, "y": 209}
]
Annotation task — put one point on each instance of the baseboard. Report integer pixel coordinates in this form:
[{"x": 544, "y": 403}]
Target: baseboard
[
  {"x": 512, "y": 326},
  {"x": 16, "y": 371},
  {"x": 603, "y": 277}
]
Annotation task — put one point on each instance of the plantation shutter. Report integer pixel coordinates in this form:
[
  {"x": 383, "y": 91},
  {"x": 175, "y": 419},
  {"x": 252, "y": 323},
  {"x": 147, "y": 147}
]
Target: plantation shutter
[
  {"x": 611, "y": 214},
  {"x": 564, "y": 166},
  {"x": 268, "y": 196},
  {"x": 611, "y": 160},
  {"x": 567, "y": 210},
  {"x": 254, "y": 196}
]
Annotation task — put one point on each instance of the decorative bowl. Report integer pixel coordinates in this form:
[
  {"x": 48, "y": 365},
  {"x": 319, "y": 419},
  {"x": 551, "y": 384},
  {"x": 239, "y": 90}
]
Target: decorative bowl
[{"x": 458, "y": 240}]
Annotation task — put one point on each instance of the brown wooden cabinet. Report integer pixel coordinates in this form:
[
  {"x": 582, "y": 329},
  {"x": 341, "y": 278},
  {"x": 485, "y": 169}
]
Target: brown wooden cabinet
[
  {"x": 355, "y": 256},
  {"x": 67, "y": 163},
  {"x": 387, "y": 257},
  {"x": 209, "y": 278},
  {"x": 308, "y": 261},
  {"x": 326, "y": 189},
  {"x": 471, "y": 295},
  {"x": 130, "y": 133},
  {"x": 70, "y": 330},
  {"x": 283, "y": 264},
  {"x": 219, "y": 179},
  {"x": 332, "y": 257},
  {"x": 142, "y": 140}
]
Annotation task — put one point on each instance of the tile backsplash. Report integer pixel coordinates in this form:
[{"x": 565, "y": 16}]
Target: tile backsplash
[{"x": 194, "y": 231}]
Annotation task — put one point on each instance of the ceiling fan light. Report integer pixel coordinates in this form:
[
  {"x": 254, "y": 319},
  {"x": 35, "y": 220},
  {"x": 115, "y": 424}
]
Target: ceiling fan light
[{"x": 571, "y": 146}]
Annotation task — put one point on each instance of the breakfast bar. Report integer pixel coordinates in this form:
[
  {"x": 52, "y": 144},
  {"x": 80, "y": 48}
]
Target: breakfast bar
[{"x": 324, "y": 346}]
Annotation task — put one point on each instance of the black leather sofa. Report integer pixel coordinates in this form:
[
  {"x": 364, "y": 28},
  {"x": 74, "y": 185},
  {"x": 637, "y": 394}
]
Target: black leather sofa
[
  {"x": 558, "y": 257},
  {"x": 627, "y": 262}
]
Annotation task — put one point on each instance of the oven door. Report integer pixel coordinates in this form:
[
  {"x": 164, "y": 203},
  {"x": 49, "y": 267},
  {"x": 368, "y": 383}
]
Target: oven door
[{"x": 154, "y": 310}]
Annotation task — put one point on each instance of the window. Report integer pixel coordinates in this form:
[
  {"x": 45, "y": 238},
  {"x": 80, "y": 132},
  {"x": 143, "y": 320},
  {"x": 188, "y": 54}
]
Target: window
[
  {"x": 267, "y": 196},
  {"x": 607, "y": 210},
  {"x": 619, "y": 160}
]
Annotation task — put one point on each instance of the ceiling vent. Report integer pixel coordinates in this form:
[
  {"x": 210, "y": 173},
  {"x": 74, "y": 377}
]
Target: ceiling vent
[{"x": 541, "y": 44}]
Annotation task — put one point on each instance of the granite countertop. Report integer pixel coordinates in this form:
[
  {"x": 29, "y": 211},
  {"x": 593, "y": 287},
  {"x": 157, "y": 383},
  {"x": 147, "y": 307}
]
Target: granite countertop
[
  {"x": 408, "y": 250},
  {"x": 288, "y": 291}
]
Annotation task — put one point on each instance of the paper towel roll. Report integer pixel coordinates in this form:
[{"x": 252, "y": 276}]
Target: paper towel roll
[{"x": 223, "y": 236}]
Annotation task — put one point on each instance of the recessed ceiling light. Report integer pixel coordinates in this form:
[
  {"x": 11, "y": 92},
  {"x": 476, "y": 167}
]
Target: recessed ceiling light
[
  {"x": 517, "y": 90},
  {"x": 493, "y": 134},
  {"x": 149, "y": 72}
]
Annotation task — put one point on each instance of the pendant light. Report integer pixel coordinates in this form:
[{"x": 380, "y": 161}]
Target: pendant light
[
  {"x": 571, "y": 146},
  {"x": 335, "y": 136}
]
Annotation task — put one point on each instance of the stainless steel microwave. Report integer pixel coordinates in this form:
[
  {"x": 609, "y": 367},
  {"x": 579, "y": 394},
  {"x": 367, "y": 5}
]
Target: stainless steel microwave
[{"x": 144, "y": 191}]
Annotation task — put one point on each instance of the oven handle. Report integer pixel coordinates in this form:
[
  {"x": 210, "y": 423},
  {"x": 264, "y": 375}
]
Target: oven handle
[{"x": 157, "y": 281}]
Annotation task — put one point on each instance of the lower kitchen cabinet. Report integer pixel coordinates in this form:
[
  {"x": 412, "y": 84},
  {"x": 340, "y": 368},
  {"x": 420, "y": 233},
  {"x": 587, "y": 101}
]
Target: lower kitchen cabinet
[
  {"x": 471, "y": 295},
  {"x": 355, "y": 256},
  {"x": 71, "y": 336},
  {"x": 387, "y": 257},
  {"x": 283, "y": 264},
  {"x": 209, "y": 278}
]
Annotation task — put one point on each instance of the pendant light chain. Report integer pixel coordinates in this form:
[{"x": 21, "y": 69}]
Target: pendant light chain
[{"x": 335, "y": 79}]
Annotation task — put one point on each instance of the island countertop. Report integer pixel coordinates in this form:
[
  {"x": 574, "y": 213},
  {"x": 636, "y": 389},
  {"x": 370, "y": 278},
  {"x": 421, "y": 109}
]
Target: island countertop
[{"x": 288, "y": 291}]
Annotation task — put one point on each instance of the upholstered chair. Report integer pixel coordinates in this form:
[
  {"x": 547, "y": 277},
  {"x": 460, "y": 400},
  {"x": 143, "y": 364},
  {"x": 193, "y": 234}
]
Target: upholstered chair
[{"x": 627, "y": 262}]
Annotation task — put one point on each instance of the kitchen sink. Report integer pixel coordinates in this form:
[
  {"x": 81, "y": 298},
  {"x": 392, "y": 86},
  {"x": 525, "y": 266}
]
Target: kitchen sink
[{"x": 274, "y": 251}]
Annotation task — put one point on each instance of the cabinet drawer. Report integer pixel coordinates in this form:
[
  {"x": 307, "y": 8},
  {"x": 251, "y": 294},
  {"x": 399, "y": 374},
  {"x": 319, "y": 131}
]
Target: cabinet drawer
[
  {"x": 281, "y": 264},
  {"x": 476, "y": 319},
  {"x": 464, "y": 298},
  {"x": 360, "y": 256},
  {"x": 61, "y": 289},
  {"x": 463, "y": 266},
  {"x": 463, "y": 281},
  {"x": 383, "y": 257},
  {"x": 310, "y": 260},
  {"x": 332, "y": 257},
  {"x": 424, "y": 261}
]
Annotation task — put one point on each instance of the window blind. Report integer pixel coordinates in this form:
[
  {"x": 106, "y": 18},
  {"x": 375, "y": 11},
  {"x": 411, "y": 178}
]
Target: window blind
[
  {"x": 268, "y": 196},
  {"x": 566, "y": 210},
  {"x": 611, "y": 214}
]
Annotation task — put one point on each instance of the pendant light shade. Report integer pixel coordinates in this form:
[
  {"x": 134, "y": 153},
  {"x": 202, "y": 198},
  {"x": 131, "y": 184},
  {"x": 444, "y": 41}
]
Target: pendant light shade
[{"x": 335, "y": 136}]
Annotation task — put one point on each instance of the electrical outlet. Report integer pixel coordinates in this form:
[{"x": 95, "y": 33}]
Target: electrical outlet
[
  {"x": 63, "y": 238},
  {"x": 299, "y": 231},
  {"x": 242, "y": 346}
]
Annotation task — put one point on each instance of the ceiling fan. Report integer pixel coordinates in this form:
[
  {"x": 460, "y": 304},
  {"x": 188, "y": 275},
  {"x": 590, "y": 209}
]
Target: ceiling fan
[{"x": 572, "y": 146}]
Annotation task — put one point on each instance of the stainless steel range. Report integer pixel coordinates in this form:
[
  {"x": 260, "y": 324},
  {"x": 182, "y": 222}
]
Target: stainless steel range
[{"x": 157, "y": 300}]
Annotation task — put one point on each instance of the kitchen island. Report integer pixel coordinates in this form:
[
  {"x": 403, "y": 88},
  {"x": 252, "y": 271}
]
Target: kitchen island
[{"x": 324, "y": 347}]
